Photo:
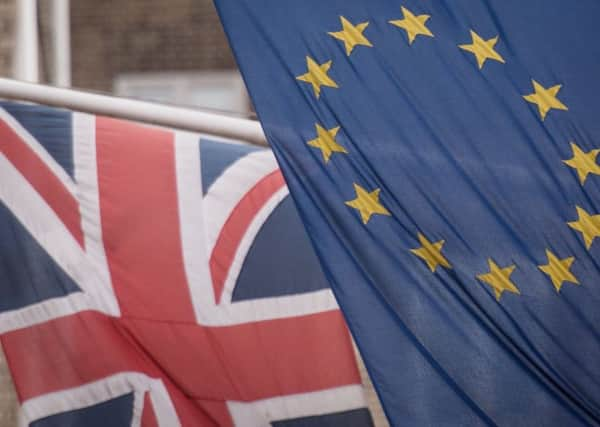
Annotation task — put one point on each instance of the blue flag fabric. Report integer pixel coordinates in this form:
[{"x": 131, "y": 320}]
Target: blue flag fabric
[{"x": 443, "y": 157}]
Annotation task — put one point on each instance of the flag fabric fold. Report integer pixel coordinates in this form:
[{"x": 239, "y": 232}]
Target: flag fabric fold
[{"x": 443, "y": 158}]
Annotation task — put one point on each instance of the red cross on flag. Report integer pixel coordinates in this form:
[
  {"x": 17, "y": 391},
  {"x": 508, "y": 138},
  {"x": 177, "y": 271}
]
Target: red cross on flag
[{"x": 159, "y": 278}]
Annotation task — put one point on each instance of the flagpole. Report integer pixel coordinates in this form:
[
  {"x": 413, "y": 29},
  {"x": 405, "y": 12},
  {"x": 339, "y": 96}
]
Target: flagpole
[
  {"x": 142, "y": 111},
  {"x": 25, "y": 52},
  {"x": 61, "y": 43}
]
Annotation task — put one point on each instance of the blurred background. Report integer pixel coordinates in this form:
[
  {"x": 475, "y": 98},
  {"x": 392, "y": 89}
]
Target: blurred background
[{"x": 173, "y": 51}]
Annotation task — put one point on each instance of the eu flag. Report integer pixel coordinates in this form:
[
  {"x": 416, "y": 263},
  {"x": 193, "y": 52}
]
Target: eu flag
[{"x": 443, "y": 155}]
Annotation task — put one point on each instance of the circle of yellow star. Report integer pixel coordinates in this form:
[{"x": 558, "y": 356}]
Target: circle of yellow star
[
  {"x": 431, "y": 253},
  {"x": 317, "y": 75},
  {"x": 351, "y": 35},
  {"x": 367, "y": 203},
  {"x": 558, "y": 270},
  {"x": 482, "y": 49},
  {"x": 499, "y": 279},
  {"x": 325, "y": 141},
  {"x": 588, "y": 225},
  {"x": 545, "y": 99},
  {"x": 413, "y": 25},
  {"x": 583, "y": 162}
]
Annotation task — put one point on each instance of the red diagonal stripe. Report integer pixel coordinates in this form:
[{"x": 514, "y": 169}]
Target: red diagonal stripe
[
  {"x": 73, "y": 350},
  {"x": 236, "y": 226},
  {"x": 140, "y": 220},
  {"x": 148, "y": 416},
  {"x": 67, "y": 352},
  {"x": 35, "y": 171}
]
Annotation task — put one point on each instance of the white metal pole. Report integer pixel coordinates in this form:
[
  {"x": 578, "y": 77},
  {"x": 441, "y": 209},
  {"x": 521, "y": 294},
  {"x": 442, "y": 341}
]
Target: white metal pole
[
  {"x": 61, "y": 46},
  {"x": 26, "y": 41},
  {"x": 148, "y": 112}
]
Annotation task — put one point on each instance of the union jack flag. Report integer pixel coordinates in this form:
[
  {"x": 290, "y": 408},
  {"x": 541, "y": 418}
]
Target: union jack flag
[{"x": 160, "y": 278}]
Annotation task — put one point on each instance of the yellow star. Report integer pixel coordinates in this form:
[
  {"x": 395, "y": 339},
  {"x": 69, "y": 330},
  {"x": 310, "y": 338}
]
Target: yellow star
[
  {"x": 545, "y": 98},
  {"x": 413, "y": 25},
  {"x": 558, "y": 270},
  {"x": 351, "y": 35},
  {"x": 588, "y": 225},
  {"x": 431, "y": 253},
  {"x": 367, "y": 203},
  {"x": 584, "y": 163},
  {"x": 317, "y": 75},
  {"x": 482, "y": 49},
  {"x": 325, "y": 141},
  {"x": 499, "y": 279}
]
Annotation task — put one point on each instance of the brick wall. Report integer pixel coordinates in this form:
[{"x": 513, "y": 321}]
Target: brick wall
[
  {"x": 110, "y": 37},
  {"x": 6, "y": 36},
  {"x": 117, "y": 36}
]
